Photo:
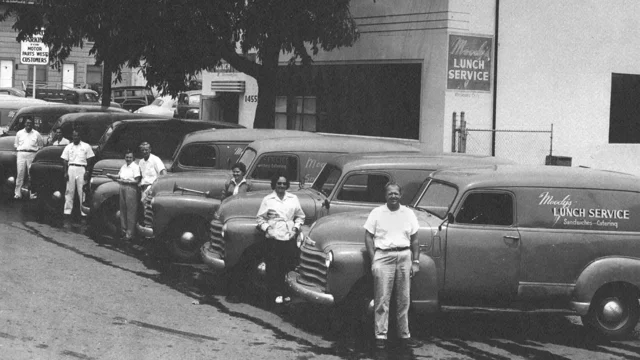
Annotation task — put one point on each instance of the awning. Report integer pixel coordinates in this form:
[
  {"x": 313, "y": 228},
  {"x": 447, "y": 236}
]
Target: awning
[{"x": 227, "y": 86}]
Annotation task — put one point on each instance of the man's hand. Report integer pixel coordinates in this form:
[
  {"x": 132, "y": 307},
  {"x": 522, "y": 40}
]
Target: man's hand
[{"x": 415, "y": 268}]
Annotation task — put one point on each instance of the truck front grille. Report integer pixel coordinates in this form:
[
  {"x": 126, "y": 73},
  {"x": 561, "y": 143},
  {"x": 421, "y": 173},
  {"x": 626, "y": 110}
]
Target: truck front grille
[
  {"x": 216, "y": 241},
  {"x": 312, "y": 268},
  {"x": 148, "y": 211}
]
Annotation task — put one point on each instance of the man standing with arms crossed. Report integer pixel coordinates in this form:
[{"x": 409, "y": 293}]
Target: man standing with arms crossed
[
  {"x": 151, "y": 168},
  {"x": 392, "y": 244},
  {"x": 27, "y": 142},
  {"x": 76, "y": 156}
]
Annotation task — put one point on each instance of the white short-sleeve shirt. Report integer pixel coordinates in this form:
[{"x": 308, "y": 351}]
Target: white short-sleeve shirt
[
  {"x": 391, "y": 228},
  {"x": 150, "y": 169},
  {"x": 129, "y": 172},
  {"x": 77, "y": 154}
]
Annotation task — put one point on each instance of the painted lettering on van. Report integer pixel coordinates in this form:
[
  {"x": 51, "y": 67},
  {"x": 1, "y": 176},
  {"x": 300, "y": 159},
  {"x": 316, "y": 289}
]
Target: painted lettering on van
[
  {"x": 313, "y": 163},
  {"x": 548, "y": 199}
]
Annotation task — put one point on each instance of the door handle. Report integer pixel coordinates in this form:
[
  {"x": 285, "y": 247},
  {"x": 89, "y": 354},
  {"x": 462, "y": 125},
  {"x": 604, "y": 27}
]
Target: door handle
[{"x": 514, "y": 238}]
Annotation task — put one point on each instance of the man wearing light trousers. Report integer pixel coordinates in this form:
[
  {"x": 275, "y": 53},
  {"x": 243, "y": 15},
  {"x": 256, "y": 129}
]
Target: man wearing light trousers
[
  {"x": 392, "y": 244},
  {"x": 76, "y": 156},
  {"x": 27, "y": 142}
]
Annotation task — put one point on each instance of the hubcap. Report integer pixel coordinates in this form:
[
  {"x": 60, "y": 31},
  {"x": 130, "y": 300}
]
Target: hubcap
[
  {"x": 187, "y": 239},
  {"x": 612, "y": 311}
]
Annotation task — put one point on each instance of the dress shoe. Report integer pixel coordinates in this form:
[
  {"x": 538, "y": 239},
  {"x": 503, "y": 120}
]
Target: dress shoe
[{"x": 381, "y": 344}]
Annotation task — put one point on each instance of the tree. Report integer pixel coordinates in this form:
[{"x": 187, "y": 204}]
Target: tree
[
  {"x": 173, "y": 40},
  {"x": 70, "y": 23},
  {"x": 217, "y": 30}
]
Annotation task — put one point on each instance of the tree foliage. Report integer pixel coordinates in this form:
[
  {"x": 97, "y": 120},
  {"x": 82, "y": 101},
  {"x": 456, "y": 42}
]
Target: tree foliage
[{"x": 173, "y": 40}]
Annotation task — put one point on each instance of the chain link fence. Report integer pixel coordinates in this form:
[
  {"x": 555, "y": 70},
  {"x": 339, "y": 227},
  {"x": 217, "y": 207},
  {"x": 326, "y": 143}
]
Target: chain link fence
[{"x": 522, "y": 146}]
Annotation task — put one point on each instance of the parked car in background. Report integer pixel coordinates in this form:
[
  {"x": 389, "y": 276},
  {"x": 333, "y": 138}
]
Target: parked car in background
[
  {"x": 165, "y": 135},
  {"x": 12, "y": 91},
  {"x": 346, "y": 183},
  {"x": 181, "y": 218},
  {"x": 9, "y": 105},
  {"x": 43, "y": 116},
  {"x": 504, "y": 237},
  {"x": 69, "y": 96},
  {"x": 47, "y": 169},
  {"x": 132, "y": 98},
  {"x": 164, "y": 106},
  {"x": 188, "y": 105}
]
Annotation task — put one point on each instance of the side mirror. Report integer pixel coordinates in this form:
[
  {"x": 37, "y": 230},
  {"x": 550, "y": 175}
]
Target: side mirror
[
  {"x": 449, "y": 218},
  {"x": 326, "y": 204}
]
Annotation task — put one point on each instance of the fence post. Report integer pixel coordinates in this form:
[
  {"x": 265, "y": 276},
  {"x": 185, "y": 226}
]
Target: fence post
[
  {"x": 453, "y": 132},
  {"x": 462, "y": 147},
  {"x": 551, "y": 145}
]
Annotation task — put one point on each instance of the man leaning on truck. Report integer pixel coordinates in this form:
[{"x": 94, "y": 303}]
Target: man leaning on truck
[{"x": 392, "y": 244}]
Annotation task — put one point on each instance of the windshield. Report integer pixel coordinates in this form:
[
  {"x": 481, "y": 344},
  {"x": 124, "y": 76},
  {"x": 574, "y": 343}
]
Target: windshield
[
  {"x": 105, "y": 136},
  {"x": 327, "y": 179},
  {"x": 247, "y": 157},
  {"x": 437, "y": 199},
  {"x": 88, "y": 97},
  {"x": 158, "y": 102}
]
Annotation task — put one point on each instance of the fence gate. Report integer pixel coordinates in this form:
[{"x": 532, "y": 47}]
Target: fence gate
[{"x": 522, "y": 146}]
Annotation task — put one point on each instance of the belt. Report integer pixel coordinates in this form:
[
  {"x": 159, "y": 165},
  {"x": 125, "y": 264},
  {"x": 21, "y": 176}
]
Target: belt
[
  {"x": 403, "y": 248},
  {"x": 28, "y": 150},
  {"x": 79, "y": 165}
]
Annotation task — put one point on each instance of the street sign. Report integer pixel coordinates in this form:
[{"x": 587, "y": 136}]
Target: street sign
[{"x": 33, "y": 51}]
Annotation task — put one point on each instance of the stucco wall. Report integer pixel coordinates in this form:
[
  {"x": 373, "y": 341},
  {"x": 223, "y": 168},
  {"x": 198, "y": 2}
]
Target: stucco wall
[{"x": 555, "y": 64}]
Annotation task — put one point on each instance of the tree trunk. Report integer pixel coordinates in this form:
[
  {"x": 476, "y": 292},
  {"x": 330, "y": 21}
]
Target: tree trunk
[
  {"x": 266, "y": 109},
  {"x": 107, "y": 76}
]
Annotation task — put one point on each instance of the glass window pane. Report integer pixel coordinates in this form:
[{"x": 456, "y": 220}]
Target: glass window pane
[
  {"x": 364, "y": 188},
  {"x": 486, "y": 209},
  {"x": 270, "y": 165},
  {"x": 202, "y": 156}
]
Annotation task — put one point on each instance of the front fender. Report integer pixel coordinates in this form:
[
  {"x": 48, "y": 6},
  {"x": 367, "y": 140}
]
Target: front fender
[
  {"x": 102, "y": 193},
  {"x": 166, "y": 208},
  {"x": 424, "y": 287},
  {"x": 350, "y": 264},
  {"x": 601, "y": 272},
  {"x": 240, "y": 234}
]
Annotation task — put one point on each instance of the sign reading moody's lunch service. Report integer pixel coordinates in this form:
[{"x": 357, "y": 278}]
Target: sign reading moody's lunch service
[
  {"x": 470, "y": 63},
  {"x": 33, "y": 51}
]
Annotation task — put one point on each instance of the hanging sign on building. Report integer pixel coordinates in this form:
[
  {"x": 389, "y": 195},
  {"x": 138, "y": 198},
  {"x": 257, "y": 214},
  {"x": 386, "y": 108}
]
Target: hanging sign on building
[
  {"x": 470, "y": 63},
  {"x": 33, "y": 51}
]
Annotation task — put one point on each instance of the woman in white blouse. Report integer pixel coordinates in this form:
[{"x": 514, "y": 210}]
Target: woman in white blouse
[{"x": 129, "y": 178}]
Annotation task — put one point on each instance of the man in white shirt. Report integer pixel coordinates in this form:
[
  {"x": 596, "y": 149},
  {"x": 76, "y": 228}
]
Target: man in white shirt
[
  {"x": 392, "y": 244},
  {"x": 151, "y": 167},
  {"x": 27, "y": 142},
  {"x": 57, "y": 139},
  {"x": 75, "y": 156}
]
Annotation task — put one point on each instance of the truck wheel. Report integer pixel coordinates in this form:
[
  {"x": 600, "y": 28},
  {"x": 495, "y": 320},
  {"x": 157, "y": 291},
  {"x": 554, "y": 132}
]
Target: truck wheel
[
  {"x": 614, "y": 311},
  {"x": 109, "y": 218},
  {"x": 357, "y": 309},
  {"x": 185, "y": 238}
]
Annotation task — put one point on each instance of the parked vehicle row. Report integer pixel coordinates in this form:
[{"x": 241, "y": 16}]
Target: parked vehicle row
[{"x": 492, "y": 234}]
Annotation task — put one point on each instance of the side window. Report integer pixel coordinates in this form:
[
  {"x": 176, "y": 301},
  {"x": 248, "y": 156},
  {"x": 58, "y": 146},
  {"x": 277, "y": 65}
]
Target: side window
[
  {"x": 270, "y": 165},
  {"x": 491, "y": 208},
  {"x": 37, "y": 124},
  {"x": 364, "y": 188},
  {"x": 198, "y": 155}
]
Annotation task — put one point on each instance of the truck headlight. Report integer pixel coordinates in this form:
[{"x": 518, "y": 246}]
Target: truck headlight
[
  {"x": 153, "y": 200},
  {"x": 328, "y": 259},
  {"x": 224, "y": 229},
  {"x": 300, "y": 239}
]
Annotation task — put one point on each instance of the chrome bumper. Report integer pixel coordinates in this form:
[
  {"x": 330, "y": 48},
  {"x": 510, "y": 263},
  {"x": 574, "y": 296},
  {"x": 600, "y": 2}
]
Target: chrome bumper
[
  {"x": 308, "y": 293},
  {"x": 86, "y": 209},
  {"x": 143, "y": 231},
  {"x": 211, "y": 259}
]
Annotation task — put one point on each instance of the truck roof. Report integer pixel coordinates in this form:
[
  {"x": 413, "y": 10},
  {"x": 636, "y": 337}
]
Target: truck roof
[
  {"x": 538, "y": 176},
  {"x": 246, "y": 135},
  {"x": 412, "y": 160},
  {"x": 331, "y": 144},
  {"x": 68, "y": 108}
]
